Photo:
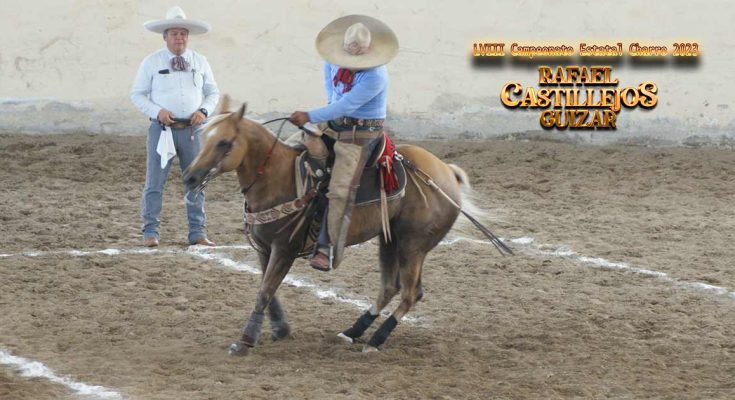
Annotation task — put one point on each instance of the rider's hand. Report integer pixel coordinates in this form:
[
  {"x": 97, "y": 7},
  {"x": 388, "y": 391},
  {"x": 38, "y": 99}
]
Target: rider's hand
[
  {"x": 299, "y": 118},
  {"x": 197, "y": 118},
  {"x": 165, "y": 116}
]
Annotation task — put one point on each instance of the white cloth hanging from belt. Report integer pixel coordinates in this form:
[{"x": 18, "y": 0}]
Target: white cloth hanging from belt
[{"x": 166, "y": 148}]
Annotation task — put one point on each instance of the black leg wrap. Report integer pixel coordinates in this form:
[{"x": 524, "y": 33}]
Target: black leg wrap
[
  {"x": 251, "y": 333},
  {"x": 279, "y": 329},
  {"x": 360, "y": 325},
  {"x": 279, "y": 325},
  {"x": 275, "y": 312},
  {"x": 383, "y": 332}
]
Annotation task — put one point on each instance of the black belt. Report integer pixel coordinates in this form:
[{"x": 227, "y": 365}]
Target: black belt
[{"x": 179, "y": 123}]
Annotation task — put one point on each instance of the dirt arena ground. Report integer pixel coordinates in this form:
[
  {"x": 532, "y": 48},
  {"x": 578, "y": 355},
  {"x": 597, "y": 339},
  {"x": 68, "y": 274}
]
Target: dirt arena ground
[{"x": 532, "y": 326}]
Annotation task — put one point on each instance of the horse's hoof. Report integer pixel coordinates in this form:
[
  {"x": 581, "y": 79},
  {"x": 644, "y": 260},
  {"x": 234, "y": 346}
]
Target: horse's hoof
[
  {"x": 369, "y": 349},
  {"x": 239, "y": 349},
  {"x": 280, "y": 332},
  {"x": 345, "y": 338}
]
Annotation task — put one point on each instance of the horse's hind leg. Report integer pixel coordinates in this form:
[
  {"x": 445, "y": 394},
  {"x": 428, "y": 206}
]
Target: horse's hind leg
[
  {"x": 419, "y": 289},
  {"x": 410, "y": 278},
  {"x": 389, "y": 288}
]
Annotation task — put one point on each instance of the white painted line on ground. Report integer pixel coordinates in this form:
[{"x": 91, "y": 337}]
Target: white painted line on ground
[
  {"x": 207, "y": 253},
  {"x": 29, "y": 368},
  {"x": 34, "y": 369},
  {"x": 525, "y": 242},
  {"x": 528, "y": 244},
  {"x": 115, "y": 252},
  {"x": 82, "y": 253},
  {"x": 230, "y": 246}
]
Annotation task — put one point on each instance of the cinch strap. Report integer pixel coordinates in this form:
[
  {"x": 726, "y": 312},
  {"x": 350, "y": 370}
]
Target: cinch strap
[{"x": 280, "y": 211}]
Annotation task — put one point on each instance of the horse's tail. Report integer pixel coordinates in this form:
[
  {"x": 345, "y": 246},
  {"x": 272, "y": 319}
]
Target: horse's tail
[
  {"x": 473, "y": 213},
  {"x": 467, "y": 194},
  {"x": 462, "y": 178}
]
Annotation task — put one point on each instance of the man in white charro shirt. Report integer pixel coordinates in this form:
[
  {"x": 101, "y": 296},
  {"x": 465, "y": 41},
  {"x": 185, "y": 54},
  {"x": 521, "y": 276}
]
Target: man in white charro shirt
[{"x": 175, "y": 88}]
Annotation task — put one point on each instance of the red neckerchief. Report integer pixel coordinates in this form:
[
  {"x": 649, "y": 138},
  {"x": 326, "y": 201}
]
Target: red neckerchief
[{"x": 345, "y": 76}]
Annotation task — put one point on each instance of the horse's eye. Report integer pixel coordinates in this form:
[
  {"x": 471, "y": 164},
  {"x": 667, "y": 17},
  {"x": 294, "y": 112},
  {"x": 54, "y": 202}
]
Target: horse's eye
[{"x": 224, "y": 144}]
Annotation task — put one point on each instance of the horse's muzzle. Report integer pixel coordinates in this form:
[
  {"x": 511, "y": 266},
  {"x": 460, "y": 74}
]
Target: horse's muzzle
[{"x": 193, "y": 180}]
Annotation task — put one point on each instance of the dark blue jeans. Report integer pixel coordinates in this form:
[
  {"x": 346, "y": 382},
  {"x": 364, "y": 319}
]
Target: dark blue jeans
[{"x": 155, "y": 179}]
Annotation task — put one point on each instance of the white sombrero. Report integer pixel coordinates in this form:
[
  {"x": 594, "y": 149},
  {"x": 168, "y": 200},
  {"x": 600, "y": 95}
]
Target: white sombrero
[
  {"x": 175, "y": 18},
  {"x": 357, "y": 42}
]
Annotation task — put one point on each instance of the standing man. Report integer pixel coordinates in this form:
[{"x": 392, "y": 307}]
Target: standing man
[
  {"x": 356, "y": 49},
  {"x": 175, "y": 88}
]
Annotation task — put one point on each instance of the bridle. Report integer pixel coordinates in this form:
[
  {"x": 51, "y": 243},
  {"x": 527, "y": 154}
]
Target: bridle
[
  {"x": 228, "y": 146},
  {"x": 213, "y": 171}
]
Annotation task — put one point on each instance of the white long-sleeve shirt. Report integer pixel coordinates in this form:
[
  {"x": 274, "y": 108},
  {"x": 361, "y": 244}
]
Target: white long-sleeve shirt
[{"x": 158, "y": 86}]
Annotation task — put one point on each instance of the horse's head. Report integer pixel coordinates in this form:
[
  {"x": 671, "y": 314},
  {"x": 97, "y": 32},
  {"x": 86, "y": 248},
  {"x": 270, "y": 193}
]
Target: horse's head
[{"x": 224, "y": 148}]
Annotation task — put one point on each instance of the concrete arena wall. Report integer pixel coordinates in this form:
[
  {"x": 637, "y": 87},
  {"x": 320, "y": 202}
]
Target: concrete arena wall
[{"x": 67, "y": 66}]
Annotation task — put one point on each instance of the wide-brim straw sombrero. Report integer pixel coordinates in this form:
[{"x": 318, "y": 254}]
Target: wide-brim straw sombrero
[
  {"x": 175, "y": 18},
  {"x": 383, "y": 43}
]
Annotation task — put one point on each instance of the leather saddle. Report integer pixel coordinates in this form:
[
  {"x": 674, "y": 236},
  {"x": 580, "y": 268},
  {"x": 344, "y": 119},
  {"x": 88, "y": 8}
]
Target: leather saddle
[{"x": 308, "y": 170}]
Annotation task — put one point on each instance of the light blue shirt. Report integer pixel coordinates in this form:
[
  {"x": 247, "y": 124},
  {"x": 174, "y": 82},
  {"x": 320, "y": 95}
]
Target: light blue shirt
[
  {"x": 181, "y": 92},
  {"x": 366, "y": 100}
]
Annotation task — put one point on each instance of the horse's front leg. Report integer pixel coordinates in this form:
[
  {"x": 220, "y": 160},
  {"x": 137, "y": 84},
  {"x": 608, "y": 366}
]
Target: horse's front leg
[
  {"x": 279, "y": 323},
  {"x": 279, "y": 264}
]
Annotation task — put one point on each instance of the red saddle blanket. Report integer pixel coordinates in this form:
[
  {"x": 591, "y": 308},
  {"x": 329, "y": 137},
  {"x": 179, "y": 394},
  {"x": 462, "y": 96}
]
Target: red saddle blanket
[{"x": 386, "y": 160}]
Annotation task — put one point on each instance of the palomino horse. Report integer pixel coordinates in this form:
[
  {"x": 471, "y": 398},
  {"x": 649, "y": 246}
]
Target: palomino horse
[{"x": 265, "y": 166}]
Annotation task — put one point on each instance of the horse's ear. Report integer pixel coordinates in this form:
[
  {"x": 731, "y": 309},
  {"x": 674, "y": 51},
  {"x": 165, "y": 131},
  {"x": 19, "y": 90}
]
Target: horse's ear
[
  {"x": 224, "y": 105},
  {"x": 241, "y": 111}
]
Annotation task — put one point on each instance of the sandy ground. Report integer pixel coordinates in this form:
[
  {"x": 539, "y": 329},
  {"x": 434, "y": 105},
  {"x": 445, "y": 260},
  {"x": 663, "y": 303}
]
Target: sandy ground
[
  {"x": 13, "y": 387},
  {"x": 156, "y": 326}
]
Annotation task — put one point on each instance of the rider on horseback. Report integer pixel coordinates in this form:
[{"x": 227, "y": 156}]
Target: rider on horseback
[{"x": 356, "y": 49}]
